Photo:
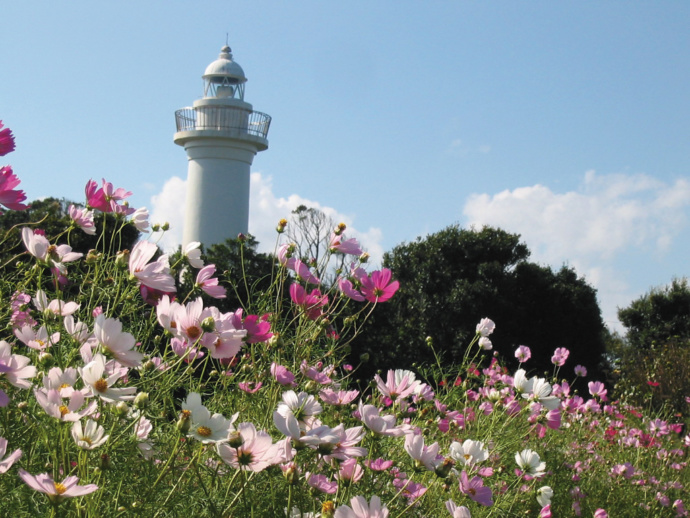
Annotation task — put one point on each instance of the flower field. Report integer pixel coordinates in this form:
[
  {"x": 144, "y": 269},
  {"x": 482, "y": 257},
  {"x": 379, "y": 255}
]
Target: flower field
[{"x": 125, "y": 391}]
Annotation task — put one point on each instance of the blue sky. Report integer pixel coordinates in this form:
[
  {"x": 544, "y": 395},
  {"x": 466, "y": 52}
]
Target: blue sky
[{"x": 566, "y": 122}]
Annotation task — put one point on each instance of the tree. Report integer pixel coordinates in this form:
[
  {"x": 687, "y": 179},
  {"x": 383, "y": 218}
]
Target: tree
[
  {"x": 658, "y": 316},
  {"x": 451, "y": 279}
]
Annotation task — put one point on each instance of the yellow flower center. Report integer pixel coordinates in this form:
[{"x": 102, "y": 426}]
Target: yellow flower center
[
  {"x": 59, "y": 488},
  {"x": 101, "y": 385},
  {"x": 64, "y": 385},
  {"x": 186, "y": 414},
  {"x": 64, "y": 410},
  {"x": 204, "y": 431}
]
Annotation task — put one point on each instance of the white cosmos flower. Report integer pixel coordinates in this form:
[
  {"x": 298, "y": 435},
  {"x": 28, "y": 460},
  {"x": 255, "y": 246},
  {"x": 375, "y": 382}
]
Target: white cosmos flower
[
  {"x": 469, "y": 452},
  {"x": 530, "y": 463},
  {"x": 90, "y": 437},
  {"x": 206, "y": 427},
  {"x": 98, "y": 385},
  {"x": 544, "y": 495}
]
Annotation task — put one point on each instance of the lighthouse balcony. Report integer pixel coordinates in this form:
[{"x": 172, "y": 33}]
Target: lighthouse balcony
[{"x": 232, "y": 121}]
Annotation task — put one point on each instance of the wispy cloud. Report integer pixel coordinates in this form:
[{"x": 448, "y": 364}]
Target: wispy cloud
[{"x": 592, "y": 228}]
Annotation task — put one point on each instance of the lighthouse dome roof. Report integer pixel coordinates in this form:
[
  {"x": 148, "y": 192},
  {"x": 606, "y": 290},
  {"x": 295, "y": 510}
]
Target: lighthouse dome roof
[{"x": 224, "y": 67}]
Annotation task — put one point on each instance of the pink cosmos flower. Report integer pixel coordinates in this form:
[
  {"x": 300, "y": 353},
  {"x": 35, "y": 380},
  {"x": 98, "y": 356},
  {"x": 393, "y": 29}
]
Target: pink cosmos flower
[
  {"x": 344, "y": 246},
  {"x": 209, "y": 284},
  {"x": 16, "y": 369},
  {"x": 350, "y": 472},
  {"x": 282, "y": 375},
  {"x": 378, "y": 287},
  {"x": 597, "y": 389},
  {"x": 360, "y": 509},
  {"x": 255, "y": 453},
  {"x": 580, "y": 371},
  {"x": 99, "y": 384},
  {"x": 601, "y": 513},
  {"x": 54, "y": 405},
  {"x": 346, "y": 288},
  {"x": 559, "y": 357},
  {"x": 297, "y": 265},
  {"x": 56, "y": 491},
  {"x": 9, "y": 196},
  {"x": 258, "y": 328},
  {"x": 426, "y": 456},
  {"x": 399, "y": 384},
  {"x": 311, "y": 303},
  {"x": 340, "y": 397},
  {"x": 116, "y": 342},
  {"x": 105, "y": 199},
  {"x": 379, "y": 464},
  {"x": 457, "y": 511},
  {"x": 54, "y": 256},
  {"x": 345, "y": 443},
  {"x": 37, "y": 338},
  {"x": 475, "y": 489},
  {"x": 313, "y": 372},
  {"x": 381, "y": 425},
  {"x": 545, "y": 512},
  {"x": 6, "y": 140},
  {"x": 155, "y": 275},
  {"x": 523, "y": 353},
  {"x": 7, "y": 462},
  {"x": 322, "y": 483},
  {"x": 250, "y": 387},
  {"x": 83, "y": 218}
]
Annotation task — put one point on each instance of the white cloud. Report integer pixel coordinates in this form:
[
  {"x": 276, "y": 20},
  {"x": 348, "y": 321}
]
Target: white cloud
[
  {"x": 593, "y": 228},
  {"x": 266, "y": 210}
]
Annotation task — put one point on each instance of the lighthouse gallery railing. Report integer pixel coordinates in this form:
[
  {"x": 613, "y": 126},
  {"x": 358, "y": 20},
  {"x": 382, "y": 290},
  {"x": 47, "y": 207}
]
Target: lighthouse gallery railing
[{"x": 223, "y": 118}]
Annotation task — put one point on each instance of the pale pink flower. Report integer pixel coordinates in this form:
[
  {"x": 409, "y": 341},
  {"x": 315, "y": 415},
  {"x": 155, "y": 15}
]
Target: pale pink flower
[
  {"x": 37, "y": 338},
  {"x": 302, "y": 270},
  {"x": 56, "y": 491},
  {"x": 140, "y": 219},
  {"x": 322, "y": 483},
  {"x": 250, "y": 387},
  {"x": 119, "y": 344},
  {"x": 7, "y": 462},
  {"x": 350, "y": 472},
  {"x": 156, "y": 274},
  {"x": 485, "y": 343},
  {"x": 345, "y": 443},
  {"x": 209, "y": 284},
  {"x": 347, "y": 289},
  {"x": 54, "y": 307},
  {"x": 79, "y": 331},
  {"x": 256, "y": 452},
  {"x": 15, "y": 368},
  {"x": 193, "y": 254},
  {"x": 381, "y": 425},
  {"x": 100, "y": 385},
  {"x": 379, "y": 464},
  {"x": 142, "y": 429},
  {"x": 485, "y": 327},
  {"x": 340, "y": 397},
  {"x": 206, "y": 427},
  {"x": 399, "y": 384},
  {"x": 560, "y": 356},
  {"x": 580, "y": 371},
  {"x": 54, "y": 405},
  {"x": 52, "y": 255},
  {"x": 544, "y": 495},
  {"x": 344, "y": 246},
  {"x": 597, "y": 389},
  {"x": 282, "y": 375},
  {"x": 90, "y": 437},
  {"x": 426, "y": 456},
  {"x": 523, "y": 353},
  {"x": 360, "y": 509},
  {"x": 83, "y": 218},
  {"x": 295, "y": 412},
  {"x": 313, "y": 373},
  {"x": 457, "y": 511}
]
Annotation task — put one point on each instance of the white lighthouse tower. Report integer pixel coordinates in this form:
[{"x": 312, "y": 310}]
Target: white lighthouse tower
[{"x": 221, "y": 134}]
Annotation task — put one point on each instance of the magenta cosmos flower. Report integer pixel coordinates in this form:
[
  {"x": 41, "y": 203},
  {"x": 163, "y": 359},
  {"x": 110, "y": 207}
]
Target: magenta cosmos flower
[
  {"x": 9, "y": 196},
  {"x": 475, "y": 489},
  {"x": 310, "y": 302},
  {"x": 379, "y": 287},
  {"x": 105, "y": 199},
  {"x": 56, "y": 491},
  {"x": 6, "y": 140}
]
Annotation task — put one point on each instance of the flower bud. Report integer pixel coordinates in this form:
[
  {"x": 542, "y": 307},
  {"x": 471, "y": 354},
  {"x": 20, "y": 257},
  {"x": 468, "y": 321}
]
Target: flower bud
[
  {"x": 156, "y": 227},
  {"x": 442, "y": 470},
  {"x": 364, "y": 257},
  {"x": 208, "y": 325},
  {"x": 364, "y": 357},
  {"x": 165, "y": 226},
  {"x": 281, "y": 226},
  {"x": 45, "y": 359},
  {"x": 104, "y": 462},
  {"x": 184, "y": 422},
  {"x": 142, "y": 400},
  {"x": 235, "y": 439},
  {"x": 121, "y": 409}
]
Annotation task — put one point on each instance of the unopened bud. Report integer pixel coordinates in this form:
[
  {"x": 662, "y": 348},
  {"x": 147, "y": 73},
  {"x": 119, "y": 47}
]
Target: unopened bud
[
  {"x": 442, "y": 470},
  {"x": 364, "y": 257},
  {"x": 208, "y": 325},
  {"x": 105, "y": 462},
  {"x": 121, "y": 409},
  {"x": 155, "y": 227},
  {"x": 165, "y": 226},
  {"x": 122, "y": 258},
  {"x": 142, "y": 400},
  {"x": 241, "y": 237},
  {"x": 45, "y": 359},
  {"x": 340, "y": 229},
  {"x": 364, "y": 357},
  {"x": 235, "y": 439},
  {"x": 92, "y": 256},
  {"x": 281, "y": 226},
  {"x": 184, "y": 422}
]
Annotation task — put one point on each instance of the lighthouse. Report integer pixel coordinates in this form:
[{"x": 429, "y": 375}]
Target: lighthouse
[{"x": 221, "y": 134}]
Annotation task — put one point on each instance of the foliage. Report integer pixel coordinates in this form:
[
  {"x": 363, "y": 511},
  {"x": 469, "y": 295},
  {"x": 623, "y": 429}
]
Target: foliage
[
  {"x": 452, "y": 278},
  {"x": 660, "y": 315}
]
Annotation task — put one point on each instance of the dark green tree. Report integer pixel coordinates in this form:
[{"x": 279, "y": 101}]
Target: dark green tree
[
  {"x": 451, "y": 279},
  {"x": 658, "y": 316}
]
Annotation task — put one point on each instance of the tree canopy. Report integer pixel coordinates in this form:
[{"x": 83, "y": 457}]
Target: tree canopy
[{"x": 451, "y": 279}]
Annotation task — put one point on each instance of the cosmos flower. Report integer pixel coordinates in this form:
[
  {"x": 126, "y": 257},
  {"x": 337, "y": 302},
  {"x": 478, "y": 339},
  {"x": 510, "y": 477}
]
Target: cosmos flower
[
  {"x": 360, "y": 509},
  {"x": 56, "y": 491},
  {"x": 90, "y": 436}
]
